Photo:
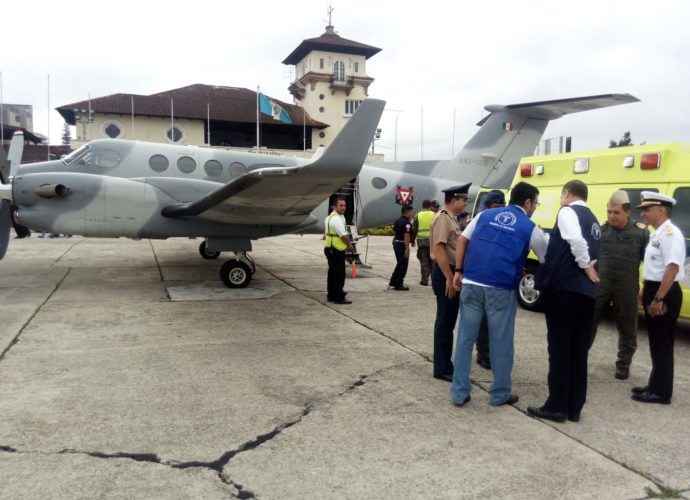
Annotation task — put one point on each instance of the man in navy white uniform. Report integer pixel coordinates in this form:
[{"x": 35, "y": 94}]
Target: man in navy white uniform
[
  {"x": 661, "y": 296},
  {"x": 489, "y": 260},
  {"x": 568, "y": 281}
]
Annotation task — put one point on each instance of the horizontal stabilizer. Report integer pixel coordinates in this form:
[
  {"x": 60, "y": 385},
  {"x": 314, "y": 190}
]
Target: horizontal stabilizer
[{"x": 550, "y": 110}]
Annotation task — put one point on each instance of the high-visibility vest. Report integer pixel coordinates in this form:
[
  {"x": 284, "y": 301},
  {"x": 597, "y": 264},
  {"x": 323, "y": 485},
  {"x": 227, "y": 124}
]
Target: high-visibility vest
[
  {"x": 332, "y": 237},
  {"x": 424, "y": 219}
]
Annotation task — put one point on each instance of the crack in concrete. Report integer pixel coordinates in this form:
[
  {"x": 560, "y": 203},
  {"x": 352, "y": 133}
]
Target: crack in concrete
[
  {"x": 221, "y": 462},
  {"x": 33, "y": 315},
  {"x": 155, "y": 257}
]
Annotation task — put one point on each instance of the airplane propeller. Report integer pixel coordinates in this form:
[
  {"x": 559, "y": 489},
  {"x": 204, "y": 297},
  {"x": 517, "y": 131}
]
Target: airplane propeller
[{"x": 9, "y": 163}]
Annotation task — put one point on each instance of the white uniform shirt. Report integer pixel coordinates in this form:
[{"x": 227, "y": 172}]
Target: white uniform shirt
[
  {"x": 666, "y": 246},
  {"x": 569, "y": 226},
  {"x": 337, "y": 224}
]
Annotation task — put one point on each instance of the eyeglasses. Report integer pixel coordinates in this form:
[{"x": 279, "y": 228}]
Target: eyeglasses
[{"x": 535, "y": 203}]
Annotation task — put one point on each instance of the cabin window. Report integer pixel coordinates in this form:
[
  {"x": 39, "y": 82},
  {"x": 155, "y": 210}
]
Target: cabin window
[
  {"x": 113, "y": 130},
  {"x": 186, "y": 164},
  {"x": 158, "y": 163},
  {"x": 104, "y": 158},
  {"x": 339, "y": 71},
  {"x": 213, "y": 168},
  {"x": 237, "y": 169},
  {"x": 379, "y": 183}
]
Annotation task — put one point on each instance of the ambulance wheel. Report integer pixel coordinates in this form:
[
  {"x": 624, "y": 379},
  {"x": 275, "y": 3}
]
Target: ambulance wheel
[
  {"x": 206, "y": 253},
  {"x": 235, "y": 274},
  {"x": 528, "y": 297}
]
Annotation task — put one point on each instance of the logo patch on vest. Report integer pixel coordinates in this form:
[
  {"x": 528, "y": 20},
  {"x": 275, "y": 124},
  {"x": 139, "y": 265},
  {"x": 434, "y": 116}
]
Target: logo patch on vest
[
  {"x": 505, "y": 219},
  {"x": 596, "y": 231}
]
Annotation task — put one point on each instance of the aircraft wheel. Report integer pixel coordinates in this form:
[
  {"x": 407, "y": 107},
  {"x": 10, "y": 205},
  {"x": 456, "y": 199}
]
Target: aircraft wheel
[
  {"x": 206, "y": 253},
  {"x": 528, "y": 297},
  {"x": 235, "y": 274}
]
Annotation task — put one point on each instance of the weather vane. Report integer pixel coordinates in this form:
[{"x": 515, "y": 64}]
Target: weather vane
[{"x": 330, "y": 14}]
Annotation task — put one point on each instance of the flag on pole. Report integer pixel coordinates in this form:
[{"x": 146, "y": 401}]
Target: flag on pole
[{"x": 271, "y": 108}]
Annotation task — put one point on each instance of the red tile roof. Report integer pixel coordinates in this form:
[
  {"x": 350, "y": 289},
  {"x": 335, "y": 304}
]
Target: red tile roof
[
  {"x": 227, "y": 104},
  {"x": 330, "y": 42}
]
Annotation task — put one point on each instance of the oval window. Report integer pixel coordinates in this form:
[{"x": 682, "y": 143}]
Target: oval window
[
  {"x": 322, "y": 109},
  {"x": 237, "y": 169},
  {"x": 379, "y": 183},
  {"x": 186, "y": 164},
  {"x": 322, "y": 134},
  {"x": 174, "y": 134},
  {"x": 213, "y": 168},
  {"x": 112, "y": 130},
  {"x": 158, "y": 163}
]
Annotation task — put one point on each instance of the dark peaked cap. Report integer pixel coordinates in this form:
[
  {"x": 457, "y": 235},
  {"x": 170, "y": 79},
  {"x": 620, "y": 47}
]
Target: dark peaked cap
[{"x": 461, "y": 190}]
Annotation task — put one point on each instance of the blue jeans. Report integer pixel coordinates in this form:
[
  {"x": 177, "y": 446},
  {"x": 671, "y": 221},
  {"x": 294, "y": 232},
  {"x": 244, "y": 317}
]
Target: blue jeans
[{"x": 499, "y": 306}]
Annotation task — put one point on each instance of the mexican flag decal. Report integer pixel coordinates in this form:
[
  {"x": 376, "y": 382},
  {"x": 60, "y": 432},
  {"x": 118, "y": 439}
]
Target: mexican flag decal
[{"x": 508, "y": 126}]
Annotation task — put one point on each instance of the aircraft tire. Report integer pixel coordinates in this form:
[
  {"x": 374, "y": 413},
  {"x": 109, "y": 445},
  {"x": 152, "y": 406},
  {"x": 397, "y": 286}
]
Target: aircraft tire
[
  {"x": 529, "y": 298},
  {"x": 206, "y": 254},
  {"x": 235, "y": 274}
]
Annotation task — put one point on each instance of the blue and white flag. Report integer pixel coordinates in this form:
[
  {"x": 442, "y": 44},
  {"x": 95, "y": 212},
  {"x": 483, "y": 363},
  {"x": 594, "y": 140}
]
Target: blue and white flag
[{"x": 271, "y": 108}]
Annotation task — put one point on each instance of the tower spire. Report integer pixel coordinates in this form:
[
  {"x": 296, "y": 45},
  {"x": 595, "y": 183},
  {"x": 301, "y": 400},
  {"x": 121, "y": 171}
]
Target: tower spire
[{"x": 330, "y": 15}]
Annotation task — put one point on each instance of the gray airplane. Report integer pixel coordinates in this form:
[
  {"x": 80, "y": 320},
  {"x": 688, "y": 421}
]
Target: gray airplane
[{"x": 113, "y": 188}]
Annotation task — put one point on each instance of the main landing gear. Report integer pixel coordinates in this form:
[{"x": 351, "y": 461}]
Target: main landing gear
[
  {"x": 238, "y": 272},
  {"x": 206, "y": 253}
]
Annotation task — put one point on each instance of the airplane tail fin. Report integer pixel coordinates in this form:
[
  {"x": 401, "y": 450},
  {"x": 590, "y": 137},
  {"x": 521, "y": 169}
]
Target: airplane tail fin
[
  {"x": 510, "y": 132},
  {"x": 346, "y": 154}
]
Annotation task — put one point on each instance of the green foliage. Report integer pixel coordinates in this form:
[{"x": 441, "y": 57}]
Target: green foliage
[
  {"x": 66, "y": 135},
  {"x": 379, "y": 231},
  {"x": 662, "y": 493},
  {"x": 624, "y": 141}
]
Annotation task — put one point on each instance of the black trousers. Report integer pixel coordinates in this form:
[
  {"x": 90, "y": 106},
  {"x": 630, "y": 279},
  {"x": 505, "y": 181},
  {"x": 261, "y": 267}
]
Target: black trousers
[
  {"x": 446, "y": 317},
  {"x": 336, "y": 273},
  {"x": 661, "y": 331},
  {"x": 569, "y": 327},
  {"x": 401, "y": 264}
]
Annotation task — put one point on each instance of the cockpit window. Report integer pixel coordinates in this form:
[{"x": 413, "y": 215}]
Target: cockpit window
[
  {"x": 75, "y": 154},
  {"x": 102, "y": 158}
]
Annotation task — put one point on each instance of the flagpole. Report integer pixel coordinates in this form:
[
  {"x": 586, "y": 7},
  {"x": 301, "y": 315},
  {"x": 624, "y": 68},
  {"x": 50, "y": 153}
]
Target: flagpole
[
  {"x": 452, "y": 148},
  {"x": 90, "y": 120},
  {"x": 258, "y": 90},
  {"x": 421, "y": 129},
  {"x": 132, "y": 116},
  {"x": 208, "y": 124},
  {"x": 48, "y": 155},
  {"x": 172, "y": 121}
]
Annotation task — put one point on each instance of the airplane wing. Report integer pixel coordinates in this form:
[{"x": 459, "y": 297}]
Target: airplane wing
[{"x": 286, "y": 195}]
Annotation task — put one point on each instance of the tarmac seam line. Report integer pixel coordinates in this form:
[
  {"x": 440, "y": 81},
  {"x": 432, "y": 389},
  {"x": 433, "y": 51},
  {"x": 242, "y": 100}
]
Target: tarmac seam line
[
  {"x": 155, "y": 257},
  {"x": 74, "y": 244},
  {"x": 33, "y": 315}
]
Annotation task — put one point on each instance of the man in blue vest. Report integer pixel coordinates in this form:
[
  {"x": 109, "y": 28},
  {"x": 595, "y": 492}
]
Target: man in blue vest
[
  {"x": 489, "y": 260},
  {"x": 568, "y": 282}
]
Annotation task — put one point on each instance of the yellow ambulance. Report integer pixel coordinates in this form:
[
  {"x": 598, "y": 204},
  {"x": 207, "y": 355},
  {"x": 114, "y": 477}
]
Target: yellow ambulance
[{"x": 664, "y": 168}]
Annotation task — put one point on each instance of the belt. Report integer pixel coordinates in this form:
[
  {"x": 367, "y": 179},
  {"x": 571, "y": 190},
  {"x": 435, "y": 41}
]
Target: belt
[{"x": 398, "y": 241}]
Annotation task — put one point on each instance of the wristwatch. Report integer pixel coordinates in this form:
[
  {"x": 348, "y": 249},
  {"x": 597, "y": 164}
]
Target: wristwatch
[{"x": 658, "y": 298}]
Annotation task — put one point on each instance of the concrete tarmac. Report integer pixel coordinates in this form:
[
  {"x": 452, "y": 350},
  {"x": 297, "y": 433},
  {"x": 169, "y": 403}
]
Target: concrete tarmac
[{"x": 129, "y": 371}]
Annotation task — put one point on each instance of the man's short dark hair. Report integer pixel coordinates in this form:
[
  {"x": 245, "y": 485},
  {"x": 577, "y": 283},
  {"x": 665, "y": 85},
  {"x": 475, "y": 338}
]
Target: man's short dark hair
[
  {"x": 426, "y": 204},
  {"x": 576, "y": 188},
  {"x": 406, "y": 208},
  {"x": 522, "y": 192}
]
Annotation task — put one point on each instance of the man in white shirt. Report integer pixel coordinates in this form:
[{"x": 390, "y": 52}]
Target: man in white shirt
[
  {"x": 336, "y": 242},
  {"x": 661, "y": 296}
]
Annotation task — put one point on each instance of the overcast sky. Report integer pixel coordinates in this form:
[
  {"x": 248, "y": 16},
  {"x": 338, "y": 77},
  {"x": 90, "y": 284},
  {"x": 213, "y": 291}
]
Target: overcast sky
[{"x": 439, "y": 55}]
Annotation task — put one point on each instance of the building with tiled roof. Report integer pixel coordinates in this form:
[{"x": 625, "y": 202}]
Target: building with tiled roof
[{"x": 197, "y": 114}]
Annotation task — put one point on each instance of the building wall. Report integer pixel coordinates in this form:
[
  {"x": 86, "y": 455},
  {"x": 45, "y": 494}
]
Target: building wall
[{"x": 150, "y": 129}]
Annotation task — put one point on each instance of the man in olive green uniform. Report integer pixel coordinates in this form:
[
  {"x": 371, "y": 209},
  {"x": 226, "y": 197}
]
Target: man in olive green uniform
[
  {"x": 623, "y": 244},
  {"x": 420, "y": 229}
]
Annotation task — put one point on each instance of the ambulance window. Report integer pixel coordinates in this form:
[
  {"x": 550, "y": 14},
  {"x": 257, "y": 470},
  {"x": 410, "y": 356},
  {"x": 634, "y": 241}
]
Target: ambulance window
[
  {"x": 634, "y": 195},
  {"x": 680, "y": 214},
  {"x": 479, "y": 205}
]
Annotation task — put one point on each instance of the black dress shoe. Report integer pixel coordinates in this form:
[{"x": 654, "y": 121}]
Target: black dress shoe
[
  {"x": 466, "y": 400},
  {"x": 639, "y": 390},
  {"x": 542, "y": 412},
  {"x": 447, "y": 378},
  {"x": 342, "y": 301},
  {"x": 574, "y": 417},
  {"x": 512, "y": 399},
  {"x": 650, "y": 397},
  {"x": 484, "y": 363},
  {"x": 402, "y": 288},
  {"x": 622, "y": 373}
]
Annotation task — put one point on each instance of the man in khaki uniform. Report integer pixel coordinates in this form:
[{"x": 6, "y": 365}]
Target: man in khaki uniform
[
  {"x": 622, "y": 250},
  {"x": 442, "y": 240}
]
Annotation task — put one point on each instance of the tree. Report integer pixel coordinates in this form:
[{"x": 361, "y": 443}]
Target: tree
[
  {"x": 625, "y": 141},
  {"x": 66, "y": 135}
]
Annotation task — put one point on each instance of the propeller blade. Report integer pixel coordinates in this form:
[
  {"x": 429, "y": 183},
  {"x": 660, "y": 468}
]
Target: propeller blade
[
  {"x": 15, "y": 152},
  {"x": 5, "y": 225},
  {"x": 4, "y": 166}
]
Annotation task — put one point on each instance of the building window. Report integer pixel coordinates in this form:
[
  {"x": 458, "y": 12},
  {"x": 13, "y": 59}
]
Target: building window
[
  {"x": 356, "y": 67},
  {"x": 213, "y": 168},
  {"x": 322, "y": 109},
  {"x": 175, "y": 134},
  {"x": 322, "y": 135},
  {"x": 158, "y": 163},
  {"x": 339, "y": 71},
  {"x": 321, "y": 63},
  {"x": 351, "y": 106},
  {"x": 186, "y": 164},
  {"x": 113, "y": 130},
  {"x": 321, "y": 96}
]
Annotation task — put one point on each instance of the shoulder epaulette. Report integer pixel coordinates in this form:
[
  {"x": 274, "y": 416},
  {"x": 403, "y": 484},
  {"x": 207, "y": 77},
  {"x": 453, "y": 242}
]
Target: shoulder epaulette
[
  {"x": 668, "y": 230},
  {"x": 640, "y": 225}
]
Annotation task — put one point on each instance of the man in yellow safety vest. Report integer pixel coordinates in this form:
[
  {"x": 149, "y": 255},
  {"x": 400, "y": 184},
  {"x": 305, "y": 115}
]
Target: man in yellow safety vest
[
  {"x": 420, "y": 230},
  {"x": 336, "y": 243}
]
